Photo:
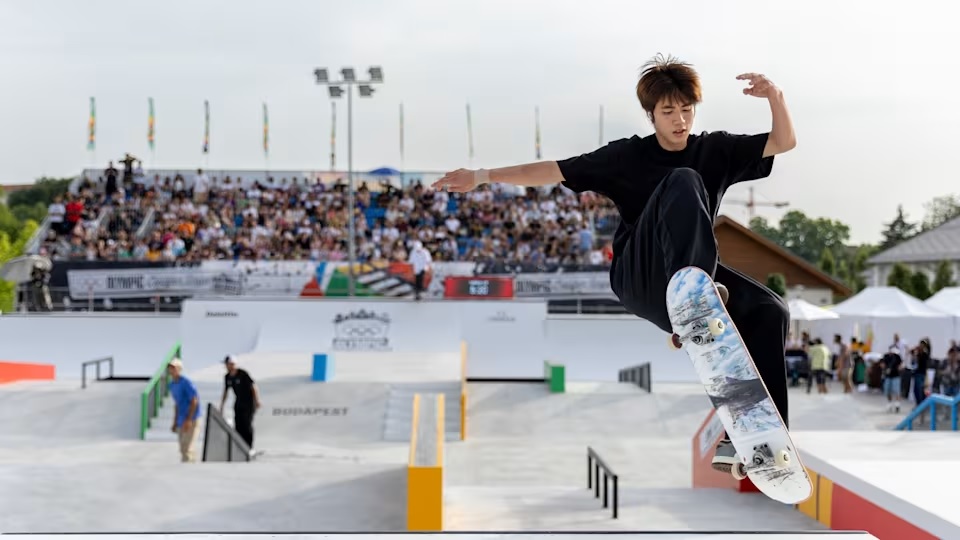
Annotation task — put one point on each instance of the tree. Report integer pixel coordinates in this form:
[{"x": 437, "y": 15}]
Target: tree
[
  {"x": 943, "y": 277},
  {"x": 828, "y": 263},
  {"x": 900, "y": 277},
  {"x": 762, "y": 227},
  {"x": 939, "y": 211},
  {"x": 897, "y": 230},
  {"x": 9, "y": 250},
  {"x": 920, "y": 285},
  {"x": 804, "y": 236},
  {"x": 778, "y": 284}
]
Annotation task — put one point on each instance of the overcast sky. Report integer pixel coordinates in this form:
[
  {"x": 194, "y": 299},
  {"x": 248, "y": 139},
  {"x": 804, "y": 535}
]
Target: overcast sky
[{"x": 870, "y": 85}]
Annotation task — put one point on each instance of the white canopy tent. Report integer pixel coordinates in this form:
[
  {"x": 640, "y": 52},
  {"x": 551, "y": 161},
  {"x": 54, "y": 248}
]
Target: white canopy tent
[
  {"x": 801, "y": 310},
  {"x": 888, "y": 311},
  {"x": 947, "y": 300}
]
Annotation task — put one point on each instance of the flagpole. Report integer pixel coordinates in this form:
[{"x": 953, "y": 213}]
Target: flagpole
[{"x": 469, "y": 135}]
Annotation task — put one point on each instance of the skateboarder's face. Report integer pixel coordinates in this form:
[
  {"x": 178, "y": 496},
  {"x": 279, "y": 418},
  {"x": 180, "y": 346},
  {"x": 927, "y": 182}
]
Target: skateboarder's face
[{"x": 673, "y": 122}]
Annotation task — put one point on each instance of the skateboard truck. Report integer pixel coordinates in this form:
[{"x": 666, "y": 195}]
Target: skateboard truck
[
  {"x": 713, "y": 327},
  {"x": 762, "y": 458}
]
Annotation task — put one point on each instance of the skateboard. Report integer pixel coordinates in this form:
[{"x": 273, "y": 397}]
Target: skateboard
[{"x": 703, "y": 328}]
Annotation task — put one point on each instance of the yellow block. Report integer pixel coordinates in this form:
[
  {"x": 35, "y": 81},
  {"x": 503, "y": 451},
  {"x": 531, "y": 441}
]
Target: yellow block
[
  {"x": 825, "y": 501},
  {"x": 463, "y": 390},
  {"x": 809, "y": 506},
  {"x": 819, "y": 505},
  {"x": 425, "y": 482},
  {"x": 425, "y": 498}
]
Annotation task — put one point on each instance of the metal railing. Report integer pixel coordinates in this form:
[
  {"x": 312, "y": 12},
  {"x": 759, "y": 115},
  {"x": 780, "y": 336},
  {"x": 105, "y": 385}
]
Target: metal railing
[
  {"x": 638, "y": 375},
  {"x": 151, "y": 400},
  {"x": 232, "y": 447},
  {"x": 596, "y": 465},
  {"x": 929, "y": 407},
  {"x": 97, "y": 362}
]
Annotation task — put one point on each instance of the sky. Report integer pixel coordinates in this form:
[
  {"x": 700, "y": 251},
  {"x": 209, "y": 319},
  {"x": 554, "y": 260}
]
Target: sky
[{"x": 868, "y": 85}]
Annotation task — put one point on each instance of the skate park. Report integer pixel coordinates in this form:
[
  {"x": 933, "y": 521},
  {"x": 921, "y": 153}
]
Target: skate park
[{"x": 457, "y": 417}]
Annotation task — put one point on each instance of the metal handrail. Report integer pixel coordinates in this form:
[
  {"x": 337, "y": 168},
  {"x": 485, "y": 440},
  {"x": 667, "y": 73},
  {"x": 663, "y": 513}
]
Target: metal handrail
[
  {"x": 638, "y": 375},
  {"x": 97, "y": 363},
  {"x": 595, "y": 464},
  {"x": 929, "y": 405}
]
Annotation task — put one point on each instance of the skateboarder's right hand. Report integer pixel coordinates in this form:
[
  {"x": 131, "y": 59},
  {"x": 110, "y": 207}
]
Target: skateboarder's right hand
[{"x": 462, "y": 180}]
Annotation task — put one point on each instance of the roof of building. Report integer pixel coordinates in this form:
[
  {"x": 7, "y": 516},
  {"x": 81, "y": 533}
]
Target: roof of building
[
  {"x": 935, "y": 245},
  {"x": 838, "y": 287}
]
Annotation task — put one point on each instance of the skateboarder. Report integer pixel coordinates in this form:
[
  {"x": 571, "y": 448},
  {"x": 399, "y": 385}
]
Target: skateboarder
[{"x": 667, "y": 187}]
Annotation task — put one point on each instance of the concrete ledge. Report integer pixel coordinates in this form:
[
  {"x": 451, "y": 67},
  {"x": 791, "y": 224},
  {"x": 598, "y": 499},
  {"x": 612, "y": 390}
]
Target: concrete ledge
[
  {"x": 425, "y": 468},
  {"x": 855, "y": 476}
]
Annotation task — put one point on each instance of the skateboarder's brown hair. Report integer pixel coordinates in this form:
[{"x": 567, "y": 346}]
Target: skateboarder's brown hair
[{"x": 670, "y": 79}]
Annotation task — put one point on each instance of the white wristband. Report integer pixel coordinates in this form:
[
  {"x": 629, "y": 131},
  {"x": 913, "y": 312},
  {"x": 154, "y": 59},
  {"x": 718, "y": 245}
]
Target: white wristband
[{"x": 482, "y": 176}]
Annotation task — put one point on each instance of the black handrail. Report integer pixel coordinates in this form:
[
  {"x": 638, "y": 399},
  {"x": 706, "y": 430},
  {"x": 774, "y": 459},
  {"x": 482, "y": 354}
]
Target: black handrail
[
  {"x": 594, "y": 465},
  {"x": 97, "y": 363},
  {"x": 215, "y": 420},
  {"x": 638, "y": 375}
]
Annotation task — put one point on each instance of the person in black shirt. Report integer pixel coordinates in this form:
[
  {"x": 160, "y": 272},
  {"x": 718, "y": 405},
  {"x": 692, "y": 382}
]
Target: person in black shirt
[
  {"x": 667, "y": 188},
  {"x": 247, "y": 399},
  {"x": 922, "y": 355}
]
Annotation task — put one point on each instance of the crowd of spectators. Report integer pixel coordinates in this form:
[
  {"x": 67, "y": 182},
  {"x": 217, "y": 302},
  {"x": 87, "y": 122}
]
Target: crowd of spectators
[{"x": 294, "y": 219}]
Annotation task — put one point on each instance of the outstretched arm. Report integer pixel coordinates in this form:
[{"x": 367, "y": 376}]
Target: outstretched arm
[
  {"x": 782, "y": 138},
  {"x": 540, "y": 173}
]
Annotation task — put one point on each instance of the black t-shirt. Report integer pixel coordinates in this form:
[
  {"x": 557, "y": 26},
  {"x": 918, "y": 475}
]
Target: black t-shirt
[
  {"x": 627, "y": 171},
  {"x": 242, "y": 385},
  {"x": 891, "y": 364}
]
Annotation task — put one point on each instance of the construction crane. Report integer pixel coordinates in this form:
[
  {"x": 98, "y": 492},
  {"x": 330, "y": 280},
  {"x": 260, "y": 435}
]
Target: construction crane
[{"x": 751, "y": 204}]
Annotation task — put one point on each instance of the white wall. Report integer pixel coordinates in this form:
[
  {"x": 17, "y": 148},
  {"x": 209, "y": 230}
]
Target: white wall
[
  {"x": 505, "y": 339},
  {"x": 596, "y": 347},
  {"x": 138, "y": 343}
]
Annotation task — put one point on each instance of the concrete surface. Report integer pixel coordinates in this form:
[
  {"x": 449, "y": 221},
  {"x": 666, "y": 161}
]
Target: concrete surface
[{"x": 69, "y": 461}]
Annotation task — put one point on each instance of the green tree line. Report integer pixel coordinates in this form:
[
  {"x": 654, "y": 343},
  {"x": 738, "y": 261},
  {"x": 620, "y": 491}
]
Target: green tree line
[
  {"x": 824, "y": 242},
  {"x": 20, "y": 215}
]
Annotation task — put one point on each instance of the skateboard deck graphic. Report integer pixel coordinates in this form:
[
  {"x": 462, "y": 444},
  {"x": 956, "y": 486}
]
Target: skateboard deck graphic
[{"x": 703, "y": 328}]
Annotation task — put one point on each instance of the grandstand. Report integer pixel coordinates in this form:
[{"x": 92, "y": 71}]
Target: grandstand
[{"x": 195, "y": 215}]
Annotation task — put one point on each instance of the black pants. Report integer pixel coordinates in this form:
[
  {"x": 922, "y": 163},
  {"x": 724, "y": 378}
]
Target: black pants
[
  {"x": 676, "y": 230},
  {"x": 243, "y": 422},
  {"x": 418, "y": 283}
]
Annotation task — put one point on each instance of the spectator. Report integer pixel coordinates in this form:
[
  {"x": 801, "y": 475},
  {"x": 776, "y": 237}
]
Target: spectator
[
  {"x": 294, "y": 219},
  {"x": 246, "y": 399},
  {"x": 420, "y": 260},
  {"x": 186, "y": 409}
]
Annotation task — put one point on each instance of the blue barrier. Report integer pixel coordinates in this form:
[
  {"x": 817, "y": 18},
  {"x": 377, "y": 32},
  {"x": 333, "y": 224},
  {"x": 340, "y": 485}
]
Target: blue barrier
[
  {"x": 929, "y": 405},
  {"x": 321, "y": 368}
]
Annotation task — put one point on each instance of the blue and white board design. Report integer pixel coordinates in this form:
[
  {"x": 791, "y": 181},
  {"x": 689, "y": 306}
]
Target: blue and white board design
[{"x": 732, "y": 383}]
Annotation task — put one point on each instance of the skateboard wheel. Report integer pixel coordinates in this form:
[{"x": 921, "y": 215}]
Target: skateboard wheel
[
  {"x": 716, "y": 327},
  {"x": 783, "y": 458},
  {"x": 739, "y": 472},
  {"x": 674, "y": 342}
]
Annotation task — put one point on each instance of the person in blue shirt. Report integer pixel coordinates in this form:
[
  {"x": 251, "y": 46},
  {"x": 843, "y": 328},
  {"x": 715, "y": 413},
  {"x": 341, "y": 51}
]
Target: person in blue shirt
[{"x": 186, "y": 409}]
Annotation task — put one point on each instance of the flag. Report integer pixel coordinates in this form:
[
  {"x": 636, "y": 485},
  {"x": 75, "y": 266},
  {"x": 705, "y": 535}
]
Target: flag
[
  {"x": 266, "y": 131},
  {"x": 536, "y": 143},
  {"x": 206, "y": 127},
  {"x": 151, "y": 119},
  {"x": 333, "y": 135},
  {"x": 469, "y": 133},
  {"x": 401, "y": 132},
  {"x": 92, "y": 125}
]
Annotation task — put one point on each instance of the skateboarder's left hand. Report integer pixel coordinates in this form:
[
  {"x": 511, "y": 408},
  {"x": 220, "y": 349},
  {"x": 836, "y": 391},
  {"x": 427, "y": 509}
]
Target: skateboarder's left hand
[{"x": 760, "y": 85}]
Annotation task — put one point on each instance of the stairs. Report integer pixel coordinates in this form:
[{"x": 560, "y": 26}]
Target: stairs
[{"x": 399, "y": 415}]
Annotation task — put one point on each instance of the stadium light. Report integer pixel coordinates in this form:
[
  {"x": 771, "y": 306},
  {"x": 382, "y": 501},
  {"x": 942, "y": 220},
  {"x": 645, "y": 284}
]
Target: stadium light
[{"x": 336, "y": 90}]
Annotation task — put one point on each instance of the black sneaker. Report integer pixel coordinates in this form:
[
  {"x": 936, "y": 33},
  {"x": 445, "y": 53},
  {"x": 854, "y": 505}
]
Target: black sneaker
[{"x": 725, "y": 456}]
